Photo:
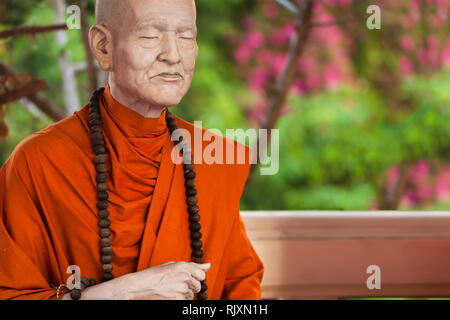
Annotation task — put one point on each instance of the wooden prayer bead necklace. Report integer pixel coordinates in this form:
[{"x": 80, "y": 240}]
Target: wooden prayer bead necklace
[{"x": 105, "y": 232}]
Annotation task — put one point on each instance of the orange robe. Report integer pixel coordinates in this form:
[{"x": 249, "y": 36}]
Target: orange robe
[{"x": 49, "y": 216}]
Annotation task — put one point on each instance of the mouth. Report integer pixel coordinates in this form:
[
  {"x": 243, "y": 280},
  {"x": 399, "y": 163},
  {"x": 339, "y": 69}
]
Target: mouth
[{"x": 170, "y": 76}]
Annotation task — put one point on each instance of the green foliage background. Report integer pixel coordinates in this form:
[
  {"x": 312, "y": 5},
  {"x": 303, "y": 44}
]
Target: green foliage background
[{"x": 335, "y": 146}]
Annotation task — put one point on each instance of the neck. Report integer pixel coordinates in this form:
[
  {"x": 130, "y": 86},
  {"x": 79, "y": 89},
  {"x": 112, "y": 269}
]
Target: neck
[{"x": 139, "y": 106}]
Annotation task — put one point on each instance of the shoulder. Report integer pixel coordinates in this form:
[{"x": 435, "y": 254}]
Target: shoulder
[
  {"x": 221, "y": 158},
  {"x": 57, "y": 141}
]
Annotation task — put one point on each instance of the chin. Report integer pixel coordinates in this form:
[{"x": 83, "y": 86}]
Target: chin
[{"x": 166, "y": 98}]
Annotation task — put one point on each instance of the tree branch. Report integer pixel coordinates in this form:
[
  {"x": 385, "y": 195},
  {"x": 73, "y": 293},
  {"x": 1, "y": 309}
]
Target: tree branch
[
  {"x": 91, "y": 69},
  {"x": 43, "y": 104},
  {"x": 31, "y": 30},
  {"x": 284, "y": 82}
]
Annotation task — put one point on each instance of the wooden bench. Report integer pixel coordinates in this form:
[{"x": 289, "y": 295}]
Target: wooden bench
[{"x": 325, "y": 255}]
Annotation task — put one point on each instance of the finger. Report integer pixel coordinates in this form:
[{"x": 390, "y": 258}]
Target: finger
[
  {"x": 197, "y": 273},
  {"x": 193, "y": 284}
]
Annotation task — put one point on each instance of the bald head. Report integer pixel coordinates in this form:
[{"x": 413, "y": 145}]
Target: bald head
[
  {"x": 113, "y": 13},
  {"x": 110, "y": 12}
]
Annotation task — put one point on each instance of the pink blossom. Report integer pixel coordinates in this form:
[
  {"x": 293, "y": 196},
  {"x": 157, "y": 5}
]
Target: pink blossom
[
  {"x": 278, "y": 63},
  {"x": 299, "y": 87},
  {"x": 305, "y": 63},
  {"x": 392, "y": 177},
  {"x": 270, "y": 10},
  {"x": 259, "y": 78},
  {"x": 443, "y": 186},
  {"x": 313, "y": 81},
  {"x": 409, "y": 199},
  {"x": 281, "y": 37},
  {"x": 407, "y": 42},
  {"x": 424, "y": 191},
  {"x": 419, "y": 172},
  {"x": 254, "y": 40},
  {"x": 406, "y": 65},
  {"x": 256, "y": 117},
  {"x": 332, "y": 76},
  {"x": 243, "y": 55},
  {"x": 445, "y": 57}
]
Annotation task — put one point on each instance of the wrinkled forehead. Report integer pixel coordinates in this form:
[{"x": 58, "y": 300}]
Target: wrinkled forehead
[{"x": 162, "y": 14}]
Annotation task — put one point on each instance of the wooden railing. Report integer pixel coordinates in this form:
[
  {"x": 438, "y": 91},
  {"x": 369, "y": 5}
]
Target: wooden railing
[{"x": 325, "y": 255}]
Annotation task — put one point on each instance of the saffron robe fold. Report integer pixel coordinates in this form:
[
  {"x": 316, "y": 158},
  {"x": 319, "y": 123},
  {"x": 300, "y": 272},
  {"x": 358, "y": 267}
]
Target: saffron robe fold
[{"x": 49, "y": 216}]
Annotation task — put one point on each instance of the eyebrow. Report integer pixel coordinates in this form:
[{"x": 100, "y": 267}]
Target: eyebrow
[{"x": 186, "y": 25}]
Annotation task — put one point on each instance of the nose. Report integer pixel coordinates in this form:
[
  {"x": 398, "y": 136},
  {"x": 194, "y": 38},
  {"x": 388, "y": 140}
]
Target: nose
[{"x": 169, "y": 49}]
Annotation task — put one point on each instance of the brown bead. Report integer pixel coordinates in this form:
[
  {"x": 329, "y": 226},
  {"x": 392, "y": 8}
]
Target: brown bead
[
  {"x": 99, "y": 149},
  {"x": 102, "y": 186},
  {"x": 204, "y": 286},
  {"x": 202, "y": 296},
  {"x": 103, "y": 195},
  {"x": 97, "y": 135},
  {"x": 106, "y": 259},
  {"x": 188, "y": 174},
  {"x": 95, "y": 122},
  {"x": 103, "y": 214},
  {"x": 106, "y": 242},
  {"x": 190, "y": 192},
  {"x": 108, "y": 251},
  {"x": 104, "y": 223},
  {"x": 195, "y": 227},
  {"x": 94, "y": 116},
  {"x": 75, "y": 294},
  {"x": 100, "y": 159},
  {"x": 192, "y": 201},
  {"x": 101, "y": 177},
  {"x": 93, "y": 108},
  {"x": 108, "y": 276},
  {"x": 101, "y": 168},
  {"x": 197, "y": 253},
  {"x": 107, "y": 268},
  {"x": 96, "y": 129},
  {"x": 92, "y": 282},
  {"x": 196, "y": 244},
  {"x": 105, "y": 232},
  {"x": 193, "y": 209},
  {"x": 98, "y": 142},
  {"x": 102, "y": 205},
  {"x": 194, "y": 218},
  {"x": 188, "y": 167},
  {"x": 199, "y": 260},
  {"x": 85, "y": 281},
  {"x": 190, "y": 183},
  {"x": 196, "y": 235},
  {"x": 171, "y": 122}
]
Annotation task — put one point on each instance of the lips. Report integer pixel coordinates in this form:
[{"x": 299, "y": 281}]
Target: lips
[{"x": 170, "y": 76}]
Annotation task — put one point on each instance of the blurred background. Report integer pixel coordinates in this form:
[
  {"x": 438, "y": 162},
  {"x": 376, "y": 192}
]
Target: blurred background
[{"x": 363, "y": 113}]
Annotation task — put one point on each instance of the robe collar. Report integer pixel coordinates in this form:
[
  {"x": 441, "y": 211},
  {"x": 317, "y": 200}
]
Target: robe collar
[{"x": 131, "y": 123}]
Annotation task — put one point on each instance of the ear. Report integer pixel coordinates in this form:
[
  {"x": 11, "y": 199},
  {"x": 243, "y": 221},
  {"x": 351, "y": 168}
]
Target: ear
[{"x": 101, "y": 42}]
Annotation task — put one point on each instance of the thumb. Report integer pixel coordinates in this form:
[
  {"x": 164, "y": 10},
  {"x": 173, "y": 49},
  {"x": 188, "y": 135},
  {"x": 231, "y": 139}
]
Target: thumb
[{"x": 205, "y": 266}]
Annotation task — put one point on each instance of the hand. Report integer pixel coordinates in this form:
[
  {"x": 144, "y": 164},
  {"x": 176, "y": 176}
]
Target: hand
[{"x": 169, "y": 281}]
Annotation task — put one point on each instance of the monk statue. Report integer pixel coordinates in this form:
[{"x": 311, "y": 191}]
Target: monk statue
[{"x": 95, "y": 207}]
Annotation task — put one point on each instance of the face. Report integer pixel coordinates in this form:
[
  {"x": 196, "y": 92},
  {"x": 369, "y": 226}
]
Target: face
[{"x": 154, "y": 51}]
